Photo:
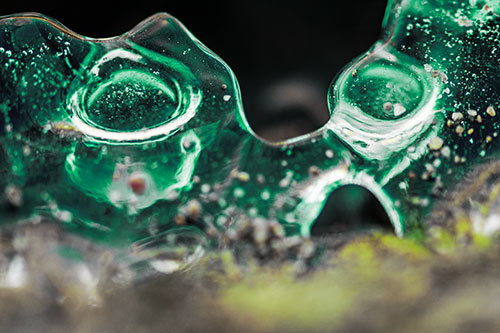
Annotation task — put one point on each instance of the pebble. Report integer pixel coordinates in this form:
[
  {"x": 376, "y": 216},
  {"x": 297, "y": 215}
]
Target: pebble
[
  {"x": 399, "y": 109},
  {"x": 472, "y": 113},
  {"x": 193, "y": 209},
  {"x": 456, "y": 116},
  {"x": 137, "y": 183},
  {"x": 436, "y": 143},
  {"x": 446, "y": 152},
  {"x": 14, "y": 195},
  {"x": 491, "y": 111},
  {"x": 243, "y": 176}
]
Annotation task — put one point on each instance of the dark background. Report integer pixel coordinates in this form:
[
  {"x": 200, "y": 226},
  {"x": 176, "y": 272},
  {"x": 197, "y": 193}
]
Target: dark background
[{"x": 284, "y": 53}]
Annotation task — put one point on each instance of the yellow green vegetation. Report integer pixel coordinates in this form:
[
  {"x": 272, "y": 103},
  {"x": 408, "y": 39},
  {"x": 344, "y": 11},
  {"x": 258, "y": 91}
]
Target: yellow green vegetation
[{"x": 376, "y": 281}]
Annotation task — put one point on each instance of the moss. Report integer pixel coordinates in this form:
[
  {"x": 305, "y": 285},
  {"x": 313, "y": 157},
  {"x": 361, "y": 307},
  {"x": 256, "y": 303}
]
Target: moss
[
  {"x": 404, "y": 247},
  {"x": 275, "y": 300},
  {"x": 360, "y": 252},
  {"x": 442, "y": 240},
  {"x": 363, "y": 271}
]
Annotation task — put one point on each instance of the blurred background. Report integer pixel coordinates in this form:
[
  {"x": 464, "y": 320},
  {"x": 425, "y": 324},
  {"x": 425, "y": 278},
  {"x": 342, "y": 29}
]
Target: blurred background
[{"x": 285, "y": 55}]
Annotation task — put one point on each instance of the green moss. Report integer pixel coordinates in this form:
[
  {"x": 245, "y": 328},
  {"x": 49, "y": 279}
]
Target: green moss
[
  {"x": 403, "y": 246},
  {"x": 442, "y": 240},
  {"x": 370, "y": 267},
  {"x": 360, "y": 252},
  {"x": 273, "y": 299}
]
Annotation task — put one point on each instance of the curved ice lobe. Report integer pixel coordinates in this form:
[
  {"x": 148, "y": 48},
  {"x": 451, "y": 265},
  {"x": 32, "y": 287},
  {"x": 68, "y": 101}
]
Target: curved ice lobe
[
  {"x": 158, "y": 73},
  {"x": 420, "y": 107},
  {"x": 39, "y": 62},
  {"x": 95, "y": 131}
]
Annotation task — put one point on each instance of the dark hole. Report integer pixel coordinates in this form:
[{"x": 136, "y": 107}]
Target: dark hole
[
  {"x": 351, "y": 209},
  {"x": 286, "y": 108}
]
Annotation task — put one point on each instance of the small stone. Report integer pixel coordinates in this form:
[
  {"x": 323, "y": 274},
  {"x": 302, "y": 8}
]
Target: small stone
[
  {"x": 399, "y": 109},
  {"x": 260, "y": 231},
  {"x": 205, "y": 188},
  {"x": 465, "y": 22},
  {"x": 491, "y": 111},
  {"x": 243, "y": 176},
  {"x": 314, "y": 171},
  {"x": 446, "y": 152},
  {"x": 430, "y": 168},
  {"x": 26, "y": 150},
  {"x": 276, "y": 229},
  {"x": 193, "y": 209},
  {"x": 14, "y": 195},
  {"x": 436, "y": 143},
  {"x": 180, "y": 219},
  {"x": 306, "y": 250},
  {"x": 285, "y": 182},
  {"x": 457, "y": 116},
  {"x": 443, "y": 77},
  {"x": 472, "y": 113},
  {"x": 187, "y": 144},
  {"x": 137, "y": 183}
]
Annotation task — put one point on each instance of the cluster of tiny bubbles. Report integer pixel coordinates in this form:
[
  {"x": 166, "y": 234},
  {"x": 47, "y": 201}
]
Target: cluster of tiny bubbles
[{"x": 125, "y": 101}]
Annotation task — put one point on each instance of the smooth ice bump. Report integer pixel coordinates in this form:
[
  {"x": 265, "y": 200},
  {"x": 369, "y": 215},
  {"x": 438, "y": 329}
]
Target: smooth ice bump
[
  {"x": 144, "y": 134},
  {"x": 109, "y": 131}
]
